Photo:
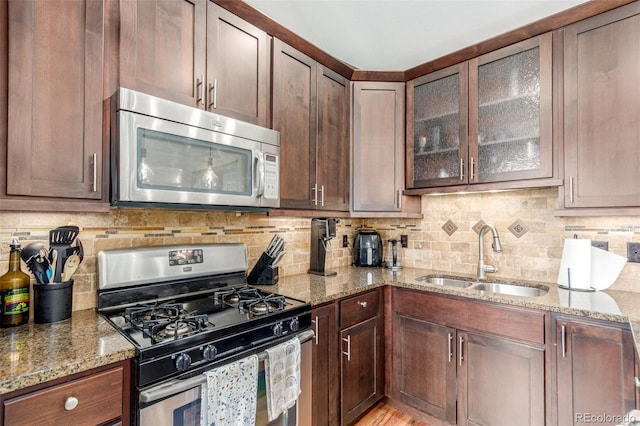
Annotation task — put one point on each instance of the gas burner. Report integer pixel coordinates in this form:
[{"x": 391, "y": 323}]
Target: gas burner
[
  {"x": 161, "y": 322},
  {"x": 175, "y": 329},
  {"x": 262, "y": 307}
]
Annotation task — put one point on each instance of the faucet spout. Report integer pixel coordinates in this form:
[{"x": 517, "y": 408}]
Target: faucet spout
[{"x": 496, "y": 246}]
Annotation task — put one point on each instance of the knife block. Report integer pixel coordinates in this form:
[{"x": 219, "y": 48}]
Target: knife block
[{"x": 263, "y": 273}]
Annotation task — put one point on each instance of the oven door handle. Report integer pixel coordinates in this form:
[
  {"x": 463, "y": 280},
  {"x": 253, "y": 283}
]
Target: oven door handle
[{"x": 173, "y": 387}]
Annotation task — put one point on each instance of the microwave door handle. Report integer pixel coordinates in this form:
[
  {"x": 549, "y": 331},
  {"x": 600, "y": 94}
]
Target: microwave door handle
[{"x": 259, "y": 171}]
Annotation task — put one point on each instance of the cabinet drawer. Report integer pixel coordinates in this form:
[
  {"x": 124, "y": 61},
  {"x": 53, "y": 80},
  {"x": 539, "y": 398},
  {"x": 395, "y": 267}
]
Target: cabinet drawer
[
  {"x": 359, "y": 308},
  {"x": 99, "y": 399}
]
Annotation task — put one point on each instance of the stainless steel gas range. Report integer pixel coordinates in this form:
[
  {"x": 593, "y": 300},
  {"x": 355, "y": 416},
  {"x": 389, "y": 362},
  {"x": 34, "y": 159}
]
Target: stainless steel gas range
[{"x": 188, "y": 309}]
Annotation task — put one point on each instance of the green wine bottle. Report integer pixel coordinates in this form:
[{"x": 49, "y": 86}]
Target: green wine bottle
[{"x": 14, "y": 291}]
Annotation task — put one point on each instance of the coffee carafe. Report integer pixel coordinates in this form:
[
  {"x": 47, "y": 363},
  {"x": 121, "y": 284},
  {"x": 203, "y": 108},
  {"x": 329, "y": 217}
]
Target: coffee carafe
[{"x": 393, "y": 256}]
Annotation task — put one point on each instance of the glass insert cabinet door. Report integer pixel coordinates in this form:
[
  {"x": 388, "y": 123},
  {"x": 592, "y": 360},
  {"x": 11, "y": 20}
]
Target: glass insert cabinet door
[
  {"x": 510, "y": 113},
  {"x": 437, "y": 128},
  {"x": 485, "y": 120}
]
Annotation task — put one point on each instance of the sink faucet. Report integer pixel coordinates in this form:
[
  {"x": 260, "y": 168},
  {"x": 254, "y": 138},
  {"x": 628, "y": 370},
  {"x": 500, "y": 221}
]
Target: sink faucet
[{"x": 497, "y": 247}]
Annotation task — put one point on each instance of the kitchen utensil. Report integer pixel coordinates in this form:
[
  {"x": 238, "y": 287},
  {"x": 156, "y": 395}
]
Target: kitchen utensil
[
  {"x": 60, "y": 239},
  {"x": 277, "y": 259},
  {"x": 34, "y": 256},
  {"x": 70, "y": 266}
]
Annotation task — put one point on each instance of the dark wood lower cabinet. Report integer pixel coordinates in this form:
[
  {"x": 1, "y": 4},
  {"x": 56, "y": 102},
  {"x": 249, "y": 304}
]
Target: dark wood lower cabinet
[
  {"x": 493, "y": 375},
  {"x": 362, "y": 373},
  {"x": 595, "y": 370},
  {"x": 325, "y": 366},
  {"x": 500, "y": 382},
  {"x": 426, "y": 367}
]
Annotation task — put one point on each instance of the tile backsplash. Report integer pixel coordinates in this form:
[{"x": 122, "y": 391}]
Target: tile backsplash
[{"x": 532, "y": 237}]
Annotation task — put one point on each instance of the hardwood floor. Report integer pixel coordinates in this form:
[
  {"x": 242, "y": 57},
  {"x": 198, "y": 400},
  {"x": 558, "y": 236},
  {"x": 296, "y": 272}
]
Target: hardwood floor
[{"x": 385, "y": 415}]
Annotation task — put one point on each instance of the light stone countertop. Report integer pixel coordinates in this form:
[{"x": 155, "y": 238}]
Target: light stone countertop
[
  {"x": 611, "y": 305},
  {"x": 36, "y": 353}
]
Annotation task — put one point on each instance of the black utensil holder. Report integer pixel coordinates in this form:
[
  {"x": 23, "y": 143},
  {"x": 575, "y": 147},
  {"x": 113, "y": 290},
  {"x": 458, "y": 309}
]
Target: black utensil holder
[
  {"x": 263, "y": 273},
  {"x": 52, "y": 302}
]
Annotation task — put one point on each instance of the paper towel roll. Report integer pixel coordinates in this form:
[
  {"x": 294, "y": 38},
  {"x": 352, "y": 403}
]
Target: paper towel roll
[
  {"x": 575, "y": 265},
  {"x": 605, "y": 268}
]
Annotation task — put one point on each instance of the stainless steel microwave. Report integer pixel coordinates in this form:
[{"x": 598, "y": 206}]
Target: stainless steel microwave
[{"x": 172, "y": 155}]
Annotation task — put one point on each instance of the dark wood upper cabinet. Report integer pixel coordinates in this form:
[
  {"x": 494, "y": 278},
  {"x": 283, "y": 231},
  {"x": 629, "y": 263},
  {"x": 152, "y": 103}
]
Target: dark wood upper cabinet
[
  {"x": 601, "y": 110},
  {"x": 163, "y": 48},
  {"x": 55, "y": 93},
  {"x": 484, "y": 121},
  {"x": 310, "y": 110},
  {"x": 332, "y": 152},
  {"x": 238, "y": 63},
  {"x": 378, "y": 135},
  {"x": 196, "y": 53}
]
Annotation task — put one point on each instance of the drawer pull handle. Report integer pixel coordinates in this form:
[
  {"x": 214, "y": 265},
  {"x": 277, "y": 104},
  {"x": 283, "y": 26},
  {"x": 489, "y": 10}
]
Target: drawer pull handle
[
  {"x": 363, "y": 304},
  {"x": 71, "y": 403}
]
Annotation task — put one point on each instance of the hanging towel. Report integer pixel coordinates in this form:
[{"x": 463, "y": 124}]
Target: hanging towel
[
  {"x": 282, "y": 377},
  {"x": 229, "y": 396}
]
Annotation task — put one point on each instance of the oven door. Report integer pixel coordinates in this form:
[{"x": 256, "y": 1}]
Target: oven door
[
  {"x": 157, "y": 161},
  {"x": 178, "y": 404}
]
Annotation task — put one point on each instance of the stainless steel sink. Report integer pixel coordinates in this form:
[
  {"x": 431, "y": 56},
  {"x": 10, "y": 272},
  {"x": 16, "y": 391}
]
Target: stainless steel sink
[
  {"x": 445, "y": 281},
  {"x": 511, "y": 289}
]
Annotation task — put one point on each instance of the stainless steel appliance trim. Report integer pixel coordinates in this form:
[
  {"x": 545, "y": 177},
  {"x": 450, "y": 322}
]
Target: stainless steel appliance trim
[
  {"x": 146, "y": 264},
  {"x": 176, "y": 386},
  {"x": 141, "y": 103}
]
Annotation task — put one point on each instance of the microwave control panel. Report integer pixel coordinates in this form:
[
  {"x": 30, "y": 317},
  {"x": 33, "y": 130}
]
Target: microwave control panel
[{"x": 271, "y": 177}]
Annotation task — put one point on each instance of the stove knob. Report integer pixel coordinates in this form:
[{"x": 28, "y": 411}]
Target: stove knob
[
  {"x": 209, "y": 352},
  {"x": 294, "y": 325},
  {"x": 183, "y": 362},
  {"x": 277, "y": 329}
]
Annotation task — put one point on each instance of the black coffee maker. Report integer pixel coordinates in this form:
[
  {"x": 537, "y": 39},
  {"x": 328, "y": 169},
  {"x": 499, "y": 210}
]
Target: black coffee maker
[{"x": 367, "y": 249}]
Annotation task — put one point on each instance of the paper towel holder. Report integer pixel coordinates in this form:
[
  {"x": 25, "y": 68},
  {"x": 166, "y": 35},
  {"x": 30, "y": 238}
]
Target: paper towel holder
[{"x": 568, "y": 287}]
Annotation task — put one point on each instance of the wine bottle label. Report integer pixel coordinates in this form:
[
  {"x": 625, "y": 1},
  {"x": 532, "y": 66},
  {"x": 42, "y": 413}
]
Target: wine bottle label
[{"x": 15, "y": 301}]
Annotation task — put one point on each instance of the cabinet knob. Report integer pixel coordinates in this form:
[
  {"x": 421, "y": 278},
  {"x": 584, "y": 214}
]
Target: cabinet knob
[
  {"x": 363, "y": 304},
  {"x": 71, "y": 403}
]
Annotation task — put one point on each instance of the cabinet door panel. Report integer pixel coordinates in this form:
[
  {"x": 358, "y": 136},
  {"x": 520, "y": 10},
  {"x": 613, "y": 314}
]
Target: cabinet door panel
[
  {"x": 500, "y": 382},
  {"x": 595, "y": 371},
  {"x": 162, "y": 48},
  {"x": 437, "y": 128},
  {"x": 425, "y": 366},
  {"x": 237, "y": 67},
  {"x": 510, "y": 112},
  {"x": 377, "y": 152},
  {"x": 333, "y": 140},
  {"x": 55, "y": 99},
  {"x": 294, "y": 116},
  {"x": 362, "y": 371},
  {"x": 601, "y": 104},
  {"x": 325, "y": 366}
]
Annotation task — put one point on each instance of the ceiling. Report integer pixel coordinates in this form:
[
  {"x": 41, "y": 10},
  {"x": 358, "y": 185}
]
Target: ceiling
[{"x": 396, "y": 35}]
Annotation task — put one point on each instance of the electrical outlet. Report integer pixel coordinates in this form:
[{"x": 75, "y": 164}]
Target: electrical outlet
[
  {"x": 604, "y": 245},
  {"x": 345, "y": 241},
  {"x": 404, "y": 241},
  {"x": 633, "y": 252}
]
